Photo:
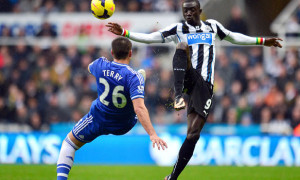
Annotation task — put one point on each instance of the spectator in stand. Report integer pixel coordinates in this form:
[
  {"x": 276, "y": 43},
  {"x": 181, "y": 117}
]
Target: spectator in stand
[
  {"x": 35, "y": 121},
  {"x": 257, "y": 109},
  {"x": 60, "y": 71},
  {"x": 236, "y": 22},
  {"x": 240, "y": 68},
  {"x": 3, "y": 110},
  {"x": 165, "y": 5},
  {"x": 72, "y": 56},
  {"x": 47, "y": 31},
  {"x": 224, "y": 69},
  {"x": 48, "y": 7},
  {"x": 242, "y": 109},
  {"x": 69, "y": 7},
  {"x": 151, "y": 96},
  {"x": 231, "y": 116},
  {"x": 5, "y": 32},
  {"x": 165, "y": 79},
  {"x": 292, "y": 27},
  {"x": 5, "y": 60},
  {"x": 295, "y": 117},
  {"x": 279, "y": 125},
  {"x": 259, "y": 72},
  {"x": 120, "y": 6},
  {"x": 290, "y": 93},
  {"x": 235, "y": 91},
  {"x": 297, "y": 81},
  {"x": 133, "y": 6},
  {"x": 147, "y": 5},
  {"x": 282, "y": 77},
  {"x": 272, "y": 63},
  {"x": 265, "y": 119},
  {"x": 291, "y": 61},
  {"x": 253, "y": 91},
  {"x": 76, "y": 115},
  {"x": 29, "y": 6},
  {"x": 84, "y": 6},
  {"x": 165, "y": 98},
  {"x": 270, "y": 98},
  {"x": 54, "y": 113},
  {"x": 255, "y": 56},
  {"x": 226, "y": 107}
]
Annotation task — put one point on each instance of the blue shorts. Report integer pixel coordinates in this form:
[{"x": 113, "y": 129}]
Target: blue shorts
[{"x": 96, "y": 123}]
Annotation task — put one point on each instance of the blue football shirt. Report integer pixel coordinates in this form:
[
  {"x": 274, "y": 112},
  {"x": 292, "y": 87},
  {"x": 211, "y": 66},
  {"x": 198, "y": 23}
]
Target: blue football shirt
[{"x": 117, "y": 85}]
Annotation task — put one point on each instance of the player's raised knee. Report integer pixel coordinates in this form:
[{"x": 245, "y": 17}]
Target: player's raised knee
[{"x": 182, "y": 45}]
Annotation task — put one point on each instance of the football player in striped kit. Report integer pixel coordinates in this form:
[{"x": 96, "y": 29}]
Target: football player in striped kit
[{"x": 193, "y": 66}]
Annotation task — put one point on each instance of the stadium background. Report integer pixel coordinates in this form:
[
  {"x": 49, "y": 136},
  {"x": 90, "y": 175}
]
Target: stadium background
[{"x": 45, "y": 47}]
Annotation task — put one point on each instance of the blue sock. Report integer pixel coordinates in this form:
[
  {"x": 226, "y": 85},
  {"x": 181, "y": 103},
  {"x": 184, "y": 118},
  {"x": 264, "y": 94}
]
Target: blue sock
[
  {"x": 63, "y": 171},
  {"x": 66, "y": 159}
]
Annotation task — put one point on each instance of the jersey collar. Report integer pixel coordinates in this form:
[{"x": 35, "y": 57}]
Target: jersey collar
[
  {"x": 120, "y": 64},
  {"x": 196, "y": 27}
]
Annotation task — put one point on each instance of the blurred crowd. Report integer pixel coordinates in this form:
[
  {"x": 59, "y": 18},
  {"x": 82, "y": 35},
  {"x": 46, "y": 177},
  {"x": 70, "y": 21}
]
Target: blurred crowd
[
  {"x": 39, "y": 87},
  {"x": 71, "y": 6},
  {"x": 254, "y": 89}
]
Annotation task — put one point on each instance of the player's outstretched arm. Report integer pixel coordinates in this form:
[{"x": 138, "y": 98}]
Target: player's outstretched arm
[
  {"x": 143, "y": 116},
  {"x": 117, "y": 29},
  {"x": 241, "y": 39}
]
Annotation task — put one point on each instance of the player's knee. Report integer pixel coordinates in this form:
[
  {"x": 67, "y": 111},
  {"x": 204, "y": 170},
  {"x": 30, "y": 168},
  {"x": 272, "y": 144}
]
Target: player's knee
[
  {"x": 182, "y": 45},
  {"x": 193, "y": 137}
]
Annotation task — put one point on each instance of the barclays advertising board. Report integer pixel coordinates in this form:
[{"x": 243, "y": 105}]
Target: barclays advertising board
[{"x": 136, "y": 149}]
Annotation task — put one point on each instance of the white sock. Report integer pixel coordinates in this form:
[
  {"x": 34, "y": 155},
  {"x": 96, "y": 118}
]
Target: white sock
[{"x": 65, "y": 159}]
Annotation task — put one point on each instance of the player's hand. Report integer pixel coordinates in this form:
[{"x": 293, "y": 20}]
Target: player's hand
[
  {"x": 159, "y": 142},
  {"x": 273, "y": 42},
  {"x": 114, "y": 28}
]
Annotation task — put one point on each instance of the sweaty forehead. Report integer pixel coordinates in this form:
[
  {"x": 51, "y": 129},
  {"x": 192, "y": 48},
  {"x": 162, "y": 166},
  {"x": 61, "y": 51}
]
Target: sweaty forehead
[{"x": 189, "y": 4}]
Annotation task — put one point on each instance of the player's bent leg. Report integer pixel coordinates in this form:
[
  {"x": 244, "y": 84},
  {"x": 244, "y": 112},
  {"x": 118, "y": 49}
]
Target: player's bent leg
[
  {"x": 195, "y": 125},
  {"x": 180, "y": 65},
  {"x": 66, "y": 156}
]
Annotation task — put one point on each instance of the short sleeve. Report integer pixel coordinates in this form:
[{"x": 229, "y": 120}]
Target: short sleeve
[
  {"x": 137, "y": 85},
  {"x": 169, "y": 33},
  {"x": 97, "y": 64},
  {"x": 92, "y": 67},
  {"x": 222, "y": 32}
]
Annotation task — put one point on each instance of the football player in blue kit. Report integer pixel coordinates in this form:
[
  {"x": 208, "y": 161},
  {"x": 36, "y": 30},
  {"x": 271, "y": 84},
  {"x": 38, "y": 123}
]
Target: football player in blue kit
[{"x": 120, "y": 104}]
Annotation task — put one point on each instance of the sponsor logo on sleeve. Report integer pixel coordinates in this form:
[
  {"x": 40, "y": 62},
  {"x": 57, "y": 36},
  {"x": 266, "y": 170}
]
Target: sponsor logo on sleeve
[{"x": 141, "y": 89}]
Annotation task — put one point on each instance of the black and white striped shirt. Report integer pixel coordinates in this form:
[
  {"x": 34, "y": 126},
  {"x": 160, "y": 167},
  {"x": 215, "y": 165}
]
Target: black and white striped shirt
[{"x": 201, "y": 41}]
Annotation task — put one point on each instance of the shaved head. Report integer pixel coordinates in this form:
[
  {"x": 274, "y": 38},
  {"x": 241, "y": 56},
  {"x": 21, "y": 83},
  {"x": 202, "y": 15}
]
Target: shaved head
[{"x": 191, "y": 3}]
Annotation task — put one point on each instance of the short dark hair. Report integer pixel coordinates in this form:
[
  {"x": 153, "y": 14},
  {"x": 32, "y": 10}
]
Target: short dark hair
[
  {"x": 121, "y": 47},
  {"x": 197, "y": 1}
]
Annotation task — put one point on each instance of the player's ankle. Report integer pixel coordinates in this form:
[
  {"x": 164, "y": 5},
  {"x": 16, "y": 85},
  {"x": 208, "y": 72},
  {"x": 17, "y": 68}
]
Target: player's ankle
[{"x": 172, "y": 177}]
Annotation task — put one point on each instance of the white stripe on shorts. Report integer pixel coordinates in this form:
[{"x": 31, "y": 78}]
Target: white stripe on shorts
[{"x": 83, "y": 123}]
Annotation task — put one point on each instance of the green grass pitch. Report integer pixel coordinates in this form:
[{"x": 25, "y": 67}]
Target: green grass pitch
[{"x": 93, "y": 172}]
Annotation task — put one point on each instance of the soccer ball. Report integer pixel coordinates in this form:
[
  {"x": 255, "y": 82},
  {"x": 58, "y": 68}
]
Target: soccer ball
[{"x": 102, "y": 9}]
